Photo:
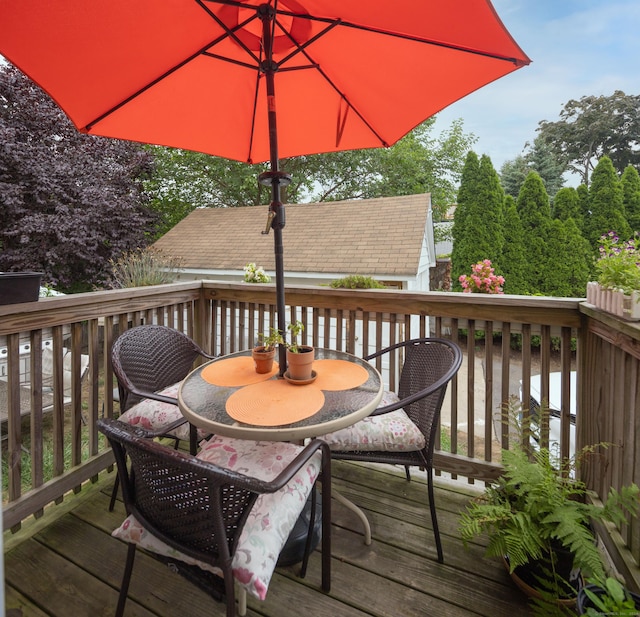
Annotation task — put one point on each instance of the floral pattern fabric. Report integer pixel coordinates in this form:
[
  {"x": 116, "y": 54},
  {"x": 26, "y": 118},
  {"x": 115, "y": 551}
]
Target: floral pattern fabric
[
  {"x": 155, "y": 415},
  {"x": 270, "y": 521},
  {"x": 389, "y": 432}
]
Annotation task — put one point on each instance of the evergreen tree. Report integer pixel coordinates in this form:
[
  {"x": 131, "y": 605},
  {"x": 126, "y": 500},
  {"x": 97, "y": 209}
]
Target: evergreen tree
[
  {"x": 566, "y": 205},
  {"x": 630, "y": 182},
  {"x": 542, "y": 160},
  {"x": 460, "y": 253},
  {"x": 606, "y": 203},
  {"x": 513, "y": 261},
  {"x": 513, "y": 174},
  {"x": 535, "y": 215},
  {"x": 568, "y": 261},
  {"x": 585, "y": 207},
  {"x": 479, "y": 231}
]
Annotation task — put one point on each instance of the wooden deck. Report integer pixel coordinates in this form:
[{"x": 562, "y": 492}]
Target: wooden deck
[{"x": 67, "y": 564}]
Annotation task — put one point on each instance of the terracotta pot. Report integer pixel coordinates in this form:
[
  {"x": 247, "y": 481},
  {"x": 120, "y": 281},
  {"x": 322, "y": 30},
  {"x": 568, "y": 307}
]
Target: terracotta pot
[
  {"x": 300, "y": 364},
  {"x": 263, "y": 360},
  {"x": 525, "y": 578}
]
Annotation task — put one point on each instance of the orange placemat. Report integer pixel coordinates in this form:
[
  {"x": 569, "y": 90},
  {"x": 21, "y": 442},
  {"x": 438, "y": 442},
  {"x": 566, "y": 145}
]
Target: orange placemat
[
  {"x": 235, "y": 372},
  {"x": 276, "y": 402},
  {"x": 339, "y": 374}
]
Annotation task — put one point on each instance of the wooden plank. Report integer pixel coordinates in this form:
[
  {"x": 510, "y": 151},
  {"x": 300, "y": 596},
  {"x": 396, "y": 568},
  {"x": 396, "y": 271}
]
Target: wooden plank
[
  {"x": 18, "y": 605},
  {"x": 58, "y": 585}
]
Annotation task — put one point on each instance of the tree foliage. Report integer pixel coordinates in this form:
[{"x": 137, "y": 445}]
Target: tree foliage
[
  {"x": 478, "y": 222},
  {"x": 514, "y": 261},
  {"x": 595, "y": 126},
  {"x": 68, "y": 202},
  {"x": 630, "y": 183},
  {"x": 418, "y": 163},
  {"x": 535, "y": 215},
  {"x": 538, "y": 157},
  {"x": 566, "y": 205},
  {"x": 606, "y": 205}
]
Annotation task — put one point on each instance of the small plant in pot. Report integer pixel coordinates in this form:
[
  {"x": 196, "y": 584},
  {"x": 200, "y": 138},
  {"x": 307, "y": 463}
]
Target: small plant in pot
[
  {"x": 264, "y": 354},
  {"x": 536, "y": 515},
  {"x": 607, "y": 597},
  {"x": 299, "y": 357}
]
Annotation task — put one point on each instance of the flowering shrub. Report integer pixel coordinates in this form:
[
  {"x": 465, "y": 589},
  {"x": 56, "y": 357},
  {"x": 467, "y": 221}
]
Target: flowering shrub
[
  {"x": 255, "y": 274},
  {"x": 619, "y": 264},
  {"x": 482, "y": 279}
]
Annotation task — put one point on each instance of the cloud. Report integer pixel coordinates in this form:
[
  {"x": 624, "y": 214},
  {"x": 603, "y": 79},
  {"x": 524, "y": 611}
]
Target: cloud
[{"x": 577, "y": 47}]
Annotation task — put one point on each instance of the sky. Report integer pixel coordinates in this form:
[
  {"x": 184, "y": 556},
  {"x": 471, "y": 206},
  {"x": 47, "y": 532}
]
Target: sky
[{"x": 577, "y": 47}]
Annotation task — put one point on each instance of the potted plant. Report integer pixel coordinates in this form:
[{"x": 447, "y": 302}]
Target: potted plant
[
  {"x": 617, "y": 289},
  {"x": 607, "y": 597},
  {"x": 264, "y": 354},
  {"x": 537, "y": 520},
  {"x": 299, "y": 357},
  {"x": 17, "y": 287}
]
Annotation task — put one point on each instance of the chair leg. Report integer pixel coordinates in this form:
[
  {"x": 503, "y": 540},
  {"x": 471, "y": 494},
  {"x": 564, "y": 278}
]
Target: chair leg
[
  {"x": 407, "y": 472},
  {"x": 326, "y": 528},
  {"x": 434, "y": 518},
  {"x": 193, "y": 440},
  {"x": 307, "y": 545},
  {"x": 114, "y": 493},
  {"x": 126, "y": 579}
]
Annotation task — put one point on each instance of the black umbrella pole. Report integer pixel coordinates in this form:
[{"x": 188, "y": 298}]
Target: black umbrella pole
[{"x": 280, "y": 301}]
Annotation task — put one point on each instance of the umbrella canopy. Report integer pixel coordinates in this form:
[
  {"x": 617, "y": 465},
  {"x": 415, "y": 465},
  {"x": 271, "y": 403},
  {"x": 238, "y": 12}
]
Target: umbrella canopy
[
  {"x": 191, "y": 73},
  {"x": 209, "y": 75}
]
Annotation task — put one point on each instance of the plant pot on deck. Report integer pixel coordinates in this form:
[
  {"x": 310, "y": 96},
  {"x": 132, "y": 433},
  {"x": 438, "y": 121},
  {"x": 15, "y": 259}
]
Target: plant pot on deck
[
  {"x": 614, "y": 301},
  {"x": 16, "y": 287}
]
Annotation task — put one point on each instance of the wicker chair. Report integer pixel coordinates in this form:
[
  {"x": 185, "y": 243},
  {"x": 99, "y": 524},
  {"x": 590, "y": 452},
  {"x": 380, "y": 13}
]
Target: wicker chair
[
  {"x": 149, "y": 363},
  {"x": 185, "y": 509},
  {"x": 403, "y": 430}
]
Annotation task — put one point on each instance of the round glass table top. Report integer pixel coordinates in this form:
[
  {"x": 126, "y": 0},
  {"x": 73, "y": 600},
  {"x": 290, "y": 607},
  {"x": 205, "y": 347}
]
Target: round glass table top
[{"x": 227, "y": 397}]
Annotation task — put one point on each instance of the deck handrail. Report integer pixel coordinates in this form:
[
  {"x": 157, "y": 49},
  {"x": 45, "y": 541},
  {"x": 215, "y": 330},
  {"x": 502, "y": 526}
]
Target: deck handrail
[{"x": 224, "y": 317}]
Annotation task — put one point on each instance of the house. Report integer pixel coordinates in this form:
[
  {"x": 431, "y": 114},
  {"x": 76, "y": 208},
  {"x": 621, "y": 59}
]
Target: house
[{"x": 388, "y": 238}]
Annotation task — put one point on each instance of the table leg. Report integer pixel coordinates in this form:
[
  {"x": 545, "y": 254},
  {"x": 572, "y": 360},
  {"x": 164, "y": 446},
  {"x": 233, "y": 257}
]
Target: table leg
[{"x": 358, "y": 512}]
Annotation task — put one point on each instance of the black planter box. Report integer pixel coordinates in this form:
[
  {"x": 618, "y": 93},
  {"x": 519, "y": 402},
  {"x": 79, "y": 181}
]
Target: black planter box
[{"x": 18, "y": 287}]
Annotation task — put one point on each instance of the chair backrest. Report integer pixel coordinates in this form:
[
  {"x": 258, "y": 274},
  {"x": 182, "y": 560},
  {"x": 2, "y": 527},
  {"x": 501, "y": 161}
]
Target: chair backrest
[
  {"x": 151, "y": 358},
  {"x": 429, "y": 365},
  {"x": 193, "y": 506},
  {"x": 67, "y": 370}
]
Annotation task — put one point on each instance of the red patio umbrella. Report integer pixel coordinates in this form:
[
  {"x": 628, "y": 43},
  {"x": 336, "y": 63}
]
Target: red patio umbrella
[{"x": 208, "y": 75}]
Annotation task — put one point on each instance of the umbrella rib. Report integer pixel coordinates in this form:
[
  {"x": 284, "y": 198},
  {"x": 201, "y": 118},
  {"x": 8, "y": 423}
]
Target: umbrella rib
[{"x": 153, "y": 82}]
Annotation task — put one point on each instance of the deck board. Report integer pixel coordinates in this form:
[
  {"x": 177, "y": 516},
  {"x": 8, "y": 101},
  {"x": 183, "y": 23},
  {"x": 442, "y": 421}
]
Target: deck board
[{"x": 72, "y": 566}]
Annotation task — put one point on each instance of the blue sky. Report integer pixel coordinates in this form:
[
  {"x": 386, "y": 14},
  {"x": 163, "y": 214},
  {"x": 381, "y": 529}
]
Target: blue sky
[{"x": 577, "y": 48}]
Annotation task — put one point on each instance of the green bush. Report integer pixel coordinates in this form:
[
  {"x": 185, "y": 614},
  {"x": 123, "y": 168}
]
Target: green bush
[
  {"x": 143, "y": 267},
  {"x": 356, "y": 281}
]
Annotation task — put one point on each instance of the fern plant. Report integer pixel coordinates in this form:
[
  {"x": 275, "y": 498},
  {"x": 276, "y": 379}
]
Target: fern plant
[{"x": 536, "y": 510}]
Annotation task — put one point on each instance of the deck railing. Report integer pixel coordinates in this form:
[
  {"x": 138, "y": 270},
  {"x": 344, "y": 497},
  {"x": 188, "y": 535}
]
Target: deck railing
[{"x": 505, "y": 339}]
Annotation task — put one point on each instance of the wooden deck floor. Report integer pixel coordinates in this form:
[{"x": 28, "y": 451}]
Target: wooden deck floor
[{"x": 69, "y": 566}]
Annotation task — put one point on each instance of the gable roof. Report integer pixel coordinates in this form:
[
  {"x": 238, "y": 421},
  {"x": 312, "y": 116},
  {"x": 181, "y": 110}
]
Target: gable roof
[{"x": 369, "y": 237}]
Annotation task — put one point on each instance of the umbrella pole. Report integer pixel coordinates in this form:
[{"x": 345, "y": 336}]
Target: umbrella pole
[{"x": 274, "y": 177}]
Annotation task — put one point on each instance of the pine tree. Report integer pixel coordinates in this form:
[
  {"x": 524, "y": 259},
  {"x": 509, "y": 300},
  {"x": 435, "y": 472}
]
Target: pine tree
[
  {"x": 566, "y": 205},
  {"x": 568, "y": 261},
  {"x": 606, "y": 203},
  {"x": 535, "y": 215},
  {"x": 630, "y": 182},
  {"x": 478, "y": 232},
  {"x": 460, "y": 252},
  {"x": 513, "y": 261}
]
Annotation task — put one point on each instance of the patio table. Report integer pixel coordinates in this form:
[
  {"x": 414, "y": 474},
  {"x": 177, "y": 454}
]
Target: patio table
[{"x": 227, "y": 397}]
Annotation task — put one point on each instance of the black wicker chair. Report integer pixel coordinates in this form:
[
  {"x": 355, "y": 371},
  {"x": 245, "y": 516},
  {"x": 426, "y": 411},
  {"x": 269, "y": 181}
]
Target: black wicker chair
[
  {"x": 429, "y": 365},
  {"x": 146, "y": 360},
  {"x": 199, "y": 509}
]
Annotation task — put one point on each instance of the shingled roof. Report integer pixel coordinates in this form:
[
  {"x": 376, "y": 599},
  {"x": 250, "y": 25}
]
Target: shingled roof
[{"x": 372, "y": 237}]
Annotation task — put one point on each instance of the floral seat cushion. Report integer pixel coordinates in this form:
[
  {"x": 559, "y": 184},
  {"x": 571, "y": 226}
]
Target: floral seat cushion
[
  {"x": 271, "y": 520},
  {"x": 392, "y": 431},
  {"x": 155, "y": 415}
]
